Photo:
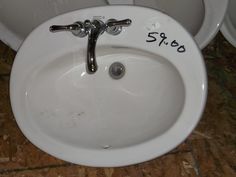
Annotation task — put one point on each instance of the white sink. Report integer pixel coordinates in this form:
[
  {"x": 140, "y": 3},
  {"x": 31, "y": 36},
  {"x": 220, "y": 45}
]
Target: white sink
[{"x": 98, "y": 121}]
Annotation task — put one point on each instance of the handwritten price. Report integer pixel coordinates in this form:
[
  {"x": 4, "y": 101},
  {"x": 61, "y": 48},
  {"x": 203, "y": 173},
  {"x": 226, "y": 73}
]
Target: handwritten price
[{"x": 163, "y": 41}]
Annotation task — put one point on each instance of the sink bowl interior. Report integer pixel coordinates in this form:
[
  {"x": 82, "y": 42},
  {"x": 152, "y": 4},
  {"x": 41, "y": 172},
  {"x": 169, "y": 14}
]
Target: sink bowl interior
[{"x": 96, "y": 111}]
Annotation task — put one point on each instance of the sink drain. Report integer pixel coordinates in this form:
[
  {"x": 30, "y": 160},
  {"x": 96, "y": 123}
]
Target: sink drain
[{"x": 117, "y": 70}]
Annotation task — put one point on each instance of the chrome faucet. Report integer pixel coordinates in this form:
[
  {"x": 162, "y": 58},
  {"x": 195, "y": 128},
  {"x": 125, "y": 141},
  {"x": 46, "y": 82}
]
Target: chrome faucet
[{"x": 93, "y": 29}]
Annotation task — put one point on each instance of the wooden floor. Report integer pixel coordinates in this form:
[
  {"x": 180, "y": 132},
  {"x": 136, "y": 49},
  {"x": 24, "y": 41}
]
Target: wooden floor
[{"x": 210, "y": 151}]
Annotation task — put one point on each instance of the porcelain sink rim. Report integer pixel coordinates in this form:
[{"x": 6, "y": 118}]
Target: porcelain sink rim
[
  {"x": 228, "y": 28},
  {"x": 212, "y": 21},
  {"x": 106, "y": 157}
]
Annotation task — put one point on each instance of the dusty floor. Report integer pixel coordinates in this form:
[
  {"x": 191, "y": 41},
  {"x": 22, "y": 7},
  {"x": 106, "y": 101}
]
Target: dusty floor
[{"x": 210, "y": 151}]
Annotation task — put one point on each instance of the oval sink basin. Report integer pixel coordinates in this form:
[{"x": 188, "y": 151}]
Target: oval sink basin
[
  {"x": 94, "y": 119},
  {"x": 102, "y": 111}
]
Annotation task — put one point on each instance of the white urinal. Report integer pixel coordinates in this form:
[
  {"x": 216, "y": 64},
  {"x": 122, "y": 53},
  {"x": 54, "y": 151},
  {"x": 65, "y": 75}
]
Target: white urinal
[{"x": 202, "y": 18}]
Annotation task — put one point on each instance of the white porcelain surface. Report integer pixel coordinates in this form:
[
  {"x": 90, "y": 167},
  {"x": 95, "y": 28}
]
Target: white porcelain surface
[
  {"x": 202, "y": 18},
  {"x": 229, "y": 26},
  {"x": 214, "y": 14},
  {"x": 120, "y": 2},
  {"x": 19, "y": 18},
  {"x": 95, "y": 120},
  {"x": 190, "y": 18}
]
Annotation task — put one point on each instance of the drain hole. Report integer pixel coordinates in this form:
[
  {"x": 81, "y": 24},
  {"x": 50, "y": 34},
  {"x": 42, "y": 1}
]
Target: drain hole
[
  {"x": 117, "y": 70},
  {"x": 107, "y": 147}
]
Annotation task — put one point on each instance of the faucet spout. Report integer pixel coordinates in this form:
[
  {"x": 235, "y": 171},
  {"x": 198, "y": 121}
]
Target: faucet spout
[{"x": 96, "y": 28}]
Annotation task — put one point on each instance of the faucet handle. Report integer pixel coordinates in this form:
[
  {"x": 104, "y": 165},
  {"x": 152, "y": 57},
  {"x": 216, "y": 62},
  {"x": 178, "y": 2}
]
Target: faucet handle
[
  {"x": 114, "y": 27},
  {"x": 58, "y": 28},
  {"x": 76, "y": 28},
  {"x": 124, "y": 23}
]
